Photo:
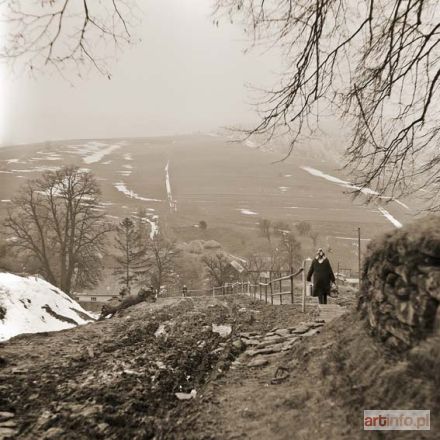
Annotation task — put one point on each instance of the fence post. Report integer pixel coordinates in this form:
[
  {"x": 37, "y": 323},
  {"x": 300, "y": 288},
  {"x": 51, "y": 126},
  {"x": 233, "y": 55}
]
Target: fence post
[
  {"x": 291, "y": 283},
  {"x": 213, "y": 291},
  {"x": 337, "y": 277},
  {"x": 271, "y": 293},
  {"x": 304, "y": 280},
  {"x": 359, "y": 257},
  {"x": 265, "y": 292}
]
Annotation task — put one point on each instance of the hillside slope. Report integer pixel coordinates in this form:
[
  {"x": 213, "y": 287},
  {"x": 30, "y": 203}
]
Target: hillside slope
[{"x": 32, "y": 305}]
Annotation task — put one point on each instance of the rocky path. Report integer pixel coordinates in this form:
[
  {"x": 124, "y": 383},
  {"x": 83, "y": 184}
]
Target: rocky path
[{"x": 262, "y": 394}]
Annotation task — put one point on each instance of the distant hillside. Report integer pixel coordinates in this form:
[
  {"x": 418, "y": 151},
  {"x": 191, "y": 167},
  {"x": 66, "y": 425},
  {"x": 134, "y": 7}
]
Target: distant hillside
[{"x": 32, "y": 305}]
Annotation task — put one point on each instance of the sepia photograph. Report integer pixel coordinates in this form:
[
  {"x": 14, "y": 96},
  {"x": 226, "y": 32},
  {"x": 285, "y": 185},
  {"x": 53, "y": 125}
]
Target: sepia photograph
[{"x": 219, "y": 219}]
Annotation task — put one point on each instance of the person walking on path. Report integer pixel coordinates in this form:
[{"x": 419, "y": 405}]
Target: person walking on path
[{"x": 323, "y": 276}]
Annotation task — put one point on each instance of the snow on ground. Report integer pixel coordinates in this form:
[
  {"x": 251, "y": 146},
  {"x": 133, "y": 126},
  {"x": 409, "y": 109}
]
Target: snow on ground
[
  {"x": 120, "y": 186},
  {"x": 154, "y": 227},
  {"x": 128, "y": 156},
  {"x": 389, "y": 217},
  {"x": 247, "y": 212},
  {"x": 367, "y": 191},
  {"x": 283, "y": 188},
  {"x": 36, "y": 170},
  {"x": 93, "y": 151},
  {"x": 353, "y": 238},
  {"x": 172, "y": 203},
  {"x": 32, "y": 305},
  {"x": 344, "y": 183}
]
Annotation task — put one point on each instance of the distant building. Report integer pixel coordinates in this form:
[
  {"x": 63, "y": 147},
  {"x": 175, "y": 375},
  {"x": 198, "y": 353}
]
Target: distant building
[{"x": 94, "y": 297}]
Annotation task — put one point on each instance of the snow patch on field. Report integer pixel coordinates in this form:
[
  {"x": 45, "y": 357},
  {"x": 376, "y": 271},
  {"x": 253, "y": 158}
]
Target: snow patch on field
[
  {"x": 366, "y": 191},
  {"x": 299, "y": 207},
  {"x": 247, "y": 212},
  {"x": 171, "y": 201},
  {"x": 121, "y": 187},
  {"x": 154, "y": 227},
  {"x": 36, "y": 170},
  {"x": 344, "y": 183},
  {"x": 32, "y": 305},
  {"x": 93, "y": 151},
  {"x": 390, "y": 218}
]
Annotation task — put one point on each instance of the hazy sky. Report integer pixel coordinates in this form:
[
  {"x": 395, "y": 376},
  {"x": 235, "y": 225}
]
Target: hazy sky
[{"x": 186, "y": 75}]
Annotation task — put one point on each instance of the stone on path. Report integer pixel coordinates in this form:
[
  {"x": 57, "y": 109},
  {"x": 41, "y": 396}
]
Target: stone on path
[
  {"x": 328, "y": 312},
  {"x": 259, "y": 361}
]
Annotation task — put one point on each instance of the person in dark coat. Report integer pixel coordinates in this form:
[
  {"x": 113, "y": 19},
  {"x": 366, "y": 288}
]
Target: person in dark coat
[{"x": 323, "y": 276}]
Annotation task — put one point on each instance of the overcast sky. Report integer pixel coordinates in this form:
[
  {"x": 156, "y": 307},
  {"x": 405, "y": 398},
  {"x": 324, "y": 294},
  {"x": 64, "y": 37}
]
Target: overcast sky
[{"x": 186, "y": 75}]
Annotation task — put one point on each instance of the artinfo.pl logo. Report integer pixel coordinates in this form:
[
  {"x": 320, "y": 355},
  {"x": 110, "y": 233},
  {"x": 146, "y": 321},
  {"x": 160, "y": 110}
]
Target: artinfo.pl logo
[{"x": 397, "y": 420}]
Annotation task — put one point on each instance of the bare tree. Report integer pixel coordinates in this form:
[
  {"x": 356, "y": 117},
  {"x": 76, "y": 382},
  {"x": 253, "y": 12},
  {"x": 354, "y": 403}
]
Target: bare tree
[
  {"x": 130, "y": 252},
  {"x": 314, "y": 235},
  {"x": 304, "y": 228},
  {"x": 254, "y": 265},
  {"x": 65, "y": 33},
  {"x": 219, "y": 269},
  {"x": 160, "y": 255},
  {"x": 375, "y": 63},
  {"x": 265, "y": 226},
  {"x": 280, "y": 227},
  {"x": 56, "y": 220},
  {"x": 291, "y": 250}
]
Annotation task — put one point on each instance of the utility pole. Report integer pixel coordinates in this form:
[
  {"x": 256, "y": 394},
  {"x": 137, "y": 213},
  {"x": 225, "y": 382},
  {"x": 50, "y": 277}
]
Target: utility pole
[{"x": 359, "y": 257}]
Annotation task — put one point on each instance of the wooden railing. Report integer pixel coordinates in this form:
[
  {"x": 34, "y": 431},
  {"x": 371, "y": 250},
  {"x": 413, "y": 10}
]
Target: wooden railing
[{"x": 262, "y": 290}]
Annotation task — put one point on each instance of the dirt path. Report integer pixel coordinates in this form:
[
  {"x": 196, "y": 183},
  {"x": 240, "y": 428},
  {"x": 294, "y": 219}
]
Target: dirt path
[{"x": 118, "y": 378}]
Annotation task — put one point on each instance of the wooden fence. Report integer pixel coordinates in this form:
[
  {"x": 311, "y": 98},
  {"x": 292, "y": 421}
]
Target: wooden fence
[{"x": 280, "y": 288}]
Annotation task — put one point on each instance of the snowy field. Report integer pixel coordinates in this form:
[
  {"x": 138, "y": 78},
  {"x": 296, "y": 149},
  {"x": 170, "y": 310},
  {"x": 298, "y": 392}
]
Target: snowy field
[{"x": 204, "y": 177}]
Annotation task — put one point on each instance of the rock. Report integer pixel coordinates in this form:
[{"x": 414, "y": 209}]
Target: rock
[
  {"x": 405, "y": 313},
  {"x": 250, "y": 342},
  {"x": 311, "y": 332},
  {"x": 301, "y": 329},
  {"x": 224, "y": 330},
  {"x": 238, "y": 344},
  {"x": 6, "y": 433},
  {"x": 6, "y": 415},
  {"x": 276, "y": 348},
  {"x": 259, "y": 361},
  {"x": 186, "y": 396},
  {"x": 54, "y": 433},
  {"x": 268, "y": 342},
  {"x": 103, "y": 426},
  {"x": 283, "y": 332}
]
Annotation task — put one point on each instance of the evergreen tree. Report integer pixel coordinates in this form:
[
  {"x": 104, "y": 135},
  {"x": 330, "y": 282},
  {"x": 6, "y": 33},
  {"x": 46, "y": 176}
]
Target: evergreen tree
[{"x": 130, "y": 253}]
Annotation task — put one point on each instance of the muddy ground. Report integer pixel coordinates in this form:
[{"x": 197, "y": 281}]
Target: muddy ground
[{"x": 118, "y": 379}]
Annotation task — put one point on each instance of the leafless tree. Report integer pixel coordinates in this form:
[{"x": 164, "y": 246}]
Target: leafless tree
[
  {"x": 254, "y": 265},
  {"x": 159, "y": 263},
  {"x": 66, "y": 33},
  {"x": 56, "y": 220},
  {"x": 304, "y": 228},
  {"x": 314, "y": 235},
  {"x": 373, "y": 63},
  {"x": 280, "y": 227},
  {"x": 219, "y": 269},
  {"x": 291, "y": 250},
  {"x": 265, "y": 228}
]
